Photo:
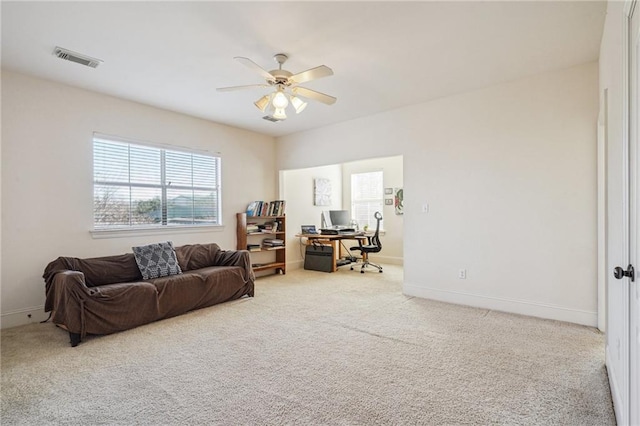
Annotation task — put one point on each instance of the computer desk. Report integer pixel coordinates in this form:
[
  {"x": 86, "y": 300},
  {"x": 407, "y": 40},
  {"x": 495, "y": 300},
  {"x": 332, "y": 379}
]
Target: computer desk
[{"x": 333, "y": 241}]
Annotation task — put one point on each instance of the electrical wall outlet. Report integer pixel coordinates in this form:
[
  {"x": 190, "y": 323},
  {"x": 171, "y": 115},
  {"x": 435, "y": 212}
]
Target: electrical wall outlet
[{"x": 462, "y": 274}]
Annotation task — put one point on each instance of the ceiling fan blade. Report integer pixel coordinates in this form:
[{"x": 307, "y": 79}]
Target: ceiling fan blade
[
  {"x": 311, "y": 74},
  {"x": 252, "y": 65},
  {"x": 312, "y": 94},
  {"x": 250, "y": 86}
]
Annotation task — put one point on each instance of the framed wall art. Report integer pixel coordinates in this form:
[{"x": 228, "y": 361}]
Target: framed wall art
[
  {"x": 398, "y": 200},
  {"x": 321, "y": 192}
]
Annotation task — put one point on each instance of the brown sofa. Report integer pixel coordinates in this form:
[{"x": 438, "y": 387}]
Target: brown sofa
[{"x": 105, "y": 295}]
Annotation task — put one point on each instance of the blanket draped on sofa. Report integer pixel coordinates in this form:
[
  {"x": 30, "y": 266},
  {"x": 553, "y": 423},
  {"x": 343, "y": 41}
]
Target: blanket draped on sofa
[{"x": 107, "y": 294}]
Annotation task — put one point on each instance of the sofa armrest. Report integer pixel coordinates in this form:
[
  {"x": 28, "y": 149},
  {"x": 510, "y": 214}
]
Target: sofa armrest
[
  {"x": 57, "y": 285},
  {"x": 230, "y": 257},
  {"x": 99, "y": 310},
  {"x": 65, "y": 292},
  {"x": 240, "y": 258}
]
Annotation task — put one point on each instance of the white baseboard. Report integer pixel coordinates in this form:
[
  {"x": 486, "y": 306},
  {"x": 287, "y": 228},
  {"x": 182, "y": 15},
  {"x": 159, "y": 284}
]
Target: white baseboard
[
  {"x": 522, "y": 307},
  {"x": 22, "y": 317},
  {"x": 382, "y": 260},
  {"x": 386, "y": 260},
  {"x": 296, "y": 264}
]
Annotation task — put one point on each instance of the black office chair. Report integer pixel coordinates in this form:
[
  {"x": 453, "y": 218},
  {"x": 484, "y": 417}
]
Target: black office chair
[{"x": 374, "y": 246}]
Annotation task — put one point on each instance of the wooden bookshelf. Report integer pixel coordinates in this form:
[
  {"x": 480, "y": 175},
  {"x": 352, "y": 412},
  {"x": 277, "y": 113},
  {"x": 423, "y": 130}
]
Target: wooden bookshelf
[{"x": 276, "y": 259}]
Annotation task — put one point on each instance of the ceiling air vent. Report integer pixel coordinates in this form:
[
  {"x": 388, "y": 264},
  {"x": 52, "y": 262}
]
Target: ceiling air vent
[
  {"x": 78, "y": 58},
  {"x": 270, "y": 118}
]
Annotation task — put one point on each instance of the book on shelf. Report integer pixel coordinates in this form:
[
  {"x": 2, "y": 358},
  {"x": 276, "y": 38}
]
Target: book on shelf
[
  {"x": 251, "y": 208},
  {"x": 272, "y": 242},
  {"x": 264, "y": 208},
  {"x": 252, "y": 227},
  {"x": 268, "y": 227},
  {"x": 278, "y": 207}
]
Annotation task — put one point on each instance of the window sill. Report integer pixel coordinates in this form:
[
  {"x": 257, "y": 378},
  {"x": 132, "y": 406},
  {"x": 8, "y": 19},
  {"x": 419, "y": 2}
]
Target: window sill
[
  {"x": 371, "y": 232},
  {"x": 126, "y": 232}
]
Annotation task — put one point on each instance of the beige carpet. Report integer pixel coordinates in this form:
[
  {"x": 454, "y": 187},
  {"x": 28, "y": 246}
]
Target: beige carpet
[{"x": 313, "y": 349}]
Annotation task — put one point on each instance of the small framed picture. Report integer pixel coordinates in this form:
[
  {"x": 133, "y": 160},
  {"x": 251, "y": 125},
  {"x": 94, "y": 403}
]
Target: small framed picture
[
  {"x": 399, "y": 201},
  {"x": 388, "y": 201},
  {"x": 322, "y": 192},
  {"x": 388, "y": 191}
]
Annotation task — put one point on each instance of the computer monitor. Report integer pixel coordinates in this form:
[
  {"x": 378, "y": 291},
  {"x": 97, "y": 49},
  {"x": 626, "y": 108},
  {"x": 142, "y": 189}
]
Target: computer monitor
[
  {"x": 340, "y": 217},
  {"x": 335, "y": 218}
]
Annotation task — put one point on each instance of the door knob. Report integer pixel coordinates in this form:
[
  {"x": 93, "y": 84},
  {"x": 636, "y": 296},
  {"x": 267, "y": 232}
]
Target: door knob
[{"x": 620, "y": 273}]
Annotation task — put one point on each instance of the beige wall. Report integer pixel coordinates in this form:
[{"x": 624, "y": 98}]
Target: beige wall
[
  {"x": 47, "y": 178},
  {"x": 296, "y": 186},
  {"x": 509, "y": 173},
  {"x": 392, "y": 238}
]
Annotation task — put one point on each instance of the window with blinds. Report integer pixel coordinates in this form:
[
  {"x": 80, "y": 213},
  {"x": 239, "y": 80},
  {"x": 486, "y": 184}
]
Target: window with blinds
[
  {"x": 367, "y": 197},
  {"x": 138, "y": 186}
]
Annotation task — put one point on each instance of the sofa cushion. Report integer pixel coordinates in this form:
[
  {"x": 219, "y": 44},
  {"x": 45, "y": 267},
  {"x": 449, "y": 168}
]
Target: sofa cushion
[
  {"x": 157, "y": 260},
  {"x": 196, "y": 256},
  {"x": 98, "y": 270}
]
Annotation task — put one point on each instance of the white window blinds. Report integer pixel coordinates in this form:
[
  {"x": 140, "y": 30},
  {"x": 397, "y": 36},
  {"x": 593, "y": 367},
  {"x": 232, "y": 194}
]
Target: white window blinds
[
  {"x": 367, "y": 197},
  {"x": 136, "y": 186}
]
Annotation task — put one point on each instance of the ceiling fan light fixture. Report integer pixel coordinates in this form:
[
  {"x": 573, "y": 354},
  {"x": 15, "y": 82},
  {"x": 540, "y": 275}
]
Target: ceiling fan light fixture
[
  {"x": 298, "y": 104},
  {"x": 263, "y": 103},
  {"x": 280, "y": 114},
  {"x": 285, "y": 89},
  {"x": 280, "y": 100}
]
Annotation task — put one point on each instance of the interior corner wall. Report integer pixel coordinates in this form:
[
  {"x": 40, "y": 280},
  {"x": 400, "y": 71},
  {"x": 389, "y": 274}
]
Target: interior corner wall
[
  {"x": 298, "y": 191},
  {"x": 47, "y": 178},
  {"x": 393, "y": 224},
  {"x": 509, "y": 173}
]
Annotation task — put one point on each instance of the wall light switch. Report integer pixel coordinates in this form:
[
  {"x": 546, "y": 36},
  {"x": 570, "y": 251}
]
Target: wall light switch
[
  {"x": 462, "y": 274},
  {"x": 425, "y": 208}
]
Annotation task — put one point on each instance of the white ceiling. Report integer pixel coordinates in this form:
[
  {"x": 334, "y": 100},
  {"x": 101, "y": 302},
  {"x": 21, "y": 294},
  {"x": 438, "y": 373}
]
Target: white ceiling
[{"x": 384, "y": 55}]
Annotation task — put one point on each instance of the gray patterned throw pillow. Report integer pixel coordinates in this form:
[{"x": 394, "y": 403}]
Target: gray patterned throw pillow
[{"x": 157, "y": 260}]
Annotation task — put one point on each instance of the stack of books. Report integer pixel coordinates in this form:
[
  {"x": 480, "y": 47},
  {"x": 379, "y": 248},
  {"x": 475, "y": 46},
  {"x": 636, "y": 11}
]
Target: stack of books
[
  {"x": 272, "y": 242},
  {"x": 268, "y": 227},
  {"x": 252, "y": 227},
  {"x": 253, "y": 247},
  {"x": 263, "y": 208}
]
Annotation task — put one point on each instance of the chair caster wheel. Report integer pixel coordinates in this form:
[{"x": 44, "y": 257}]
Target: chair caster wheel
[
  {"x": 362, "y": 272},
  {"x": 380, "y": 271},
  {"x": 352, "y": 268}
]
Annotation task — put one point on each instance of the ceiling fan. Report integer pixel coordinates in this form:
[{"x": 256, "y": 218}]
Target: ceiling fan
[{"x": 286, "y": 87}]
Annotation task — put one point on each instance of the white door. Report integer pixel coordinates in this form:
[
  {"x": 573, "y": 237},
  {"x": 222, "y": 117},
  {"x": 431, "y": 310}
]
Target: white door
[
  {"x": 623, "y": 228},
  {"x": 634, "y": 142},
  {"x": 617, "y": 290}
]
